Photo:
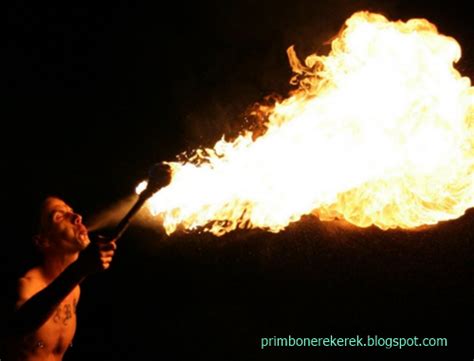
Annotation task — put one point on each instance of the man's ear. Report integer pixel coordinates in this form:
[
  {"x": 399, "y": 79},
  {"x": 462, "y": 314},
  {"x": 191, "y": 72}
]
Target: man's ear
[{"x": 40, "y": 241}]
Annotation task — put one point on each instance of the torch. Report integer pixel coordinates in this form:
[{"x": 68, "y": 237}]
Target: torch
[{"x": 159, "y": 176}]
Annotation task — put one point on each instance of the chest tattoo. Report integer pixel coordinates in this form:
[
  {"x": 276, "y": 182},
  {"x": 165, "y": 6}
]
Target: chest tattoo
[
  {"x": 57, "y": 314},
  {"x": 64, "y": 313},
  {"x": 67, "y": 312}
]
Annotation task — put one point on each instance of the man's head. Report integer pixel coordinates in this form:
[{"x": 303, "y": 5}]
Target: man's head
[{"x": 60, "y": 229}]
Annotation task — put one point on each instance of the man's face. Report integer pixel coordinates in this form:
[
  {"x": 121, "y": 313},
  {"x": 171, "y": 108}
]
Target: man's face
[{"x": 62, "y": 227}]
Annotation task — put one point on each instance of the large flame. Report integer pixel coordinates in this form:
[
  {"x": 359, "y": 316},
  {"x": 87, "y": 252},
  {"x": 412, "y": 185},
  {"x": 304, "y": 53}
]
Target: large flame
[{"x": 379, "y": 132}]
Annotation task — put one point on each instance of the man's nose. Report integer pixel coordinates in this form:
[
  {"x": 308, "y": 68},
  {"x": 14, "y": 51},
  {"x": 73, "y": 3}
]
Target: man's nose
[{"x": 76, "y": 218}]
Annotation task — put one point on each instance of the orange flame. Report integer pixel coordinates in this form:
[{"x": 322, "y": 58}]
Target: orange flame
[{"x": 379, "y": 132}]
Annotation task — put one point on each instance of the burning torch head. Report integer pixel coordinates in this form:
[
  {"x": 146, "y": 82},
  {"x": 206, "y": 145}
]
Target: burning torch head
[{"x": 159, "y": 176}]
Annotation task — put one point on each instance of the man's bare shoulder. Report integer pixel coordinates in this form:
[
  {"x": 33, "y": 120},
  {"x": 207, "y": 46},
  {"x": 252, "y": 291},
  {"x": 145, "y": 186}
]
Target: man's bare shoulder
[
  {"x": 29, "y": 284},
  {"x": 33, "y": 273}
]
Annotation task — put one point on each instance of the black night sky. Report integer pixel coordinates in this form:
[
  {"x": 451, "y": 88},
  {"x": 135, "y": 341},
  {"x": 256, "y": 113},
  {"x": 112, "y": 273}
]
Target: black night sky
[{"x": 97, "y": 93}]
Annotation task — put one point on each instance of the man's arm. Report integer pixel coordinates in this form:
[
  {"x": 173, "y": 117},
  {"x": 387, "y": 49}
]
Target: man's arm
[{"x": 34, "y": 309}]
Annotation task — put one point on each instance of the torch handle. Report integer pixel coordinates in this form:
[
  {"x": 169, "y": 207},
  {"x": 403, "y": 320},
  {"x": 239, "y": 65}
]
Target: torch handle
[
  {"x": 119, "y": 230},
  {"x": 159, "y": 176},
  {"x": 125, "y": 222}
]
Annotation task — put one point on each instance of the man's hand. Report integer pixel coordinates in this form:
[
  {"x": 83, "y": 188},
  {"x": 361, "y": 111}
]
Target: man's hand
[{"x": 96, "y": 257}]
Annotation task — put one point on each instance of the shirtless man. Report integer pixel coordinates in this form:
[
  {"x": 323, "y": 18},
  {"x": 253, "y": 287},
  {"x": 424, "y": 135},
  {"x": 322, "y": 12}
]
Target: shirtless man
[{"x": 44, "y": 322}]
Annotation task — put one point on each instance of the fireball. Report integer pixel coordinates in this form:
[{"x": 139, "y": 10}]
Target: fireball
[{"x": 380, "y": 131}]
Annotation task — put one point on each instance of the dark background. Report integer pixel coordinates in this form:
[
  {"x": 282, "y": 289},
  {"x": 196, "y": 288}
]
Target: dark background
[{"x": 98, "y": 93}]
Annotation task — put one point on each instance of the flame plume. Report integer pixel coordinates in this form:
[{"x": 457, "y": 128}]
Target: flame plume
[{"x": 379, "y": 132}]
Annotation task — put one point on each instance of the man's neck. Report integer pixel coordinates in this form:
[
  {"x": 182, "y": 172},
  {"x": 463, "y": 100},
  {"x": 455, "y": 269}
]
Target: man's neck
[{"x": 56, "y": 263}]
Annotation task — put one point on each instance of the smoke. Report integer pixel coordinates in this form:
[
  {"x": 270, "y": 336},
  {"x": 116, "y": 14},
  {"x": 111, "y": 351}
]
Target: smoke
[{"x": 111, "y": 215}]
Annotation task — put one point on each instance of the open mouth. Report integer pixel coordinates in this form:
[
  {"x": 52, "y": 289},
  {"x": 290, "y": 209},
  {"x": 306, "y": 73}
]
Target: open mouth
[{"x": 83, "y": 235}]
